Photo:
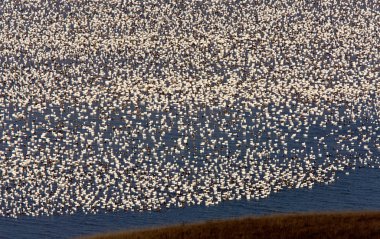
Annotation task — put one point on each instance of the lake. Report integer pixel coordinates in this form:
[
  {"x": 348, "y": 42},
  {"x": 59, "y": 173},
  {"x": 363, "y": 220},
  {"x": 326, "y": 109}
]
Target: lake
[
  {"x": 118, "y": 116},
  {"x": 360, "y": 190}
]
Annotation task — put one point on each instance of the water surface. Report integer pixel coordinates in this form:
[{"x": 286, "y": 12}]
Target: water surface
[{"x": 360, "y": 190}]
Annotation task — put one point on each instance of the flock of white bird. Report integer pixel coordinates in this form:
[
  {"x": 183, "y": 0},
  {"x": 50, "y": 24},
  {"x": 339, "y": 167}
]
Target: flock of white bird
[{"x": 144, "y": 105}]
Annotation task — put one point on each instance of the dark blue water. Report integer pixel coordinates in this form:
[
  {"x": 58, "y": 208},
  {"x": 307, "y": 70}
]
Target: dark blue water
[{"x": 358, "y": 191}]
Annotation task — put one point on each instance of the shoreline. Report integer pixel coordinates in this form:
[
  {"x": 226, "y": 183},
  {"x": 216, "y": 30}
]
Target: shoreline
[{"x": 362, "y": 224}]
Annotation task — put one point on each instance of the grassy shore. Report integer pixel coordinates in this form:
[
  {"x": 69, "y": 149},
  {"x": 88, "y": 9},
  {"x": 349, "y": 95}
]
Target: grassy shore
[{"x": 321, "y": 225}]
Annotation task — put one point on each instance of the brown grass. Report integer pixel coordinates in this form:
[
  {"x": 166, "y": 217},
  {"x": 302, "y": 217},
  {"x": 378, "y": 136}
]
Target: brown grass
[{"x": 323, "y": 225}]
